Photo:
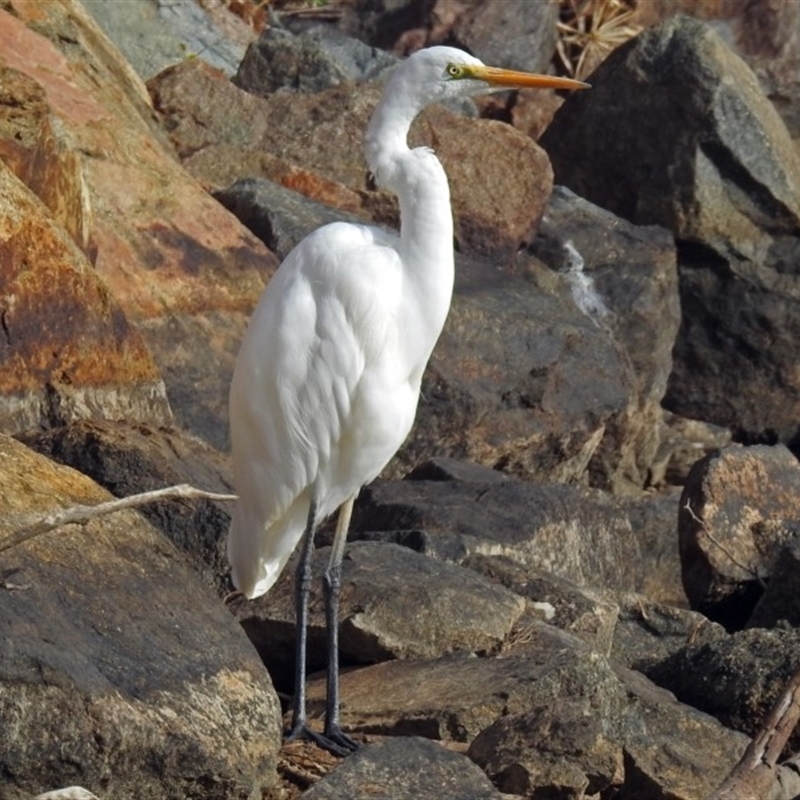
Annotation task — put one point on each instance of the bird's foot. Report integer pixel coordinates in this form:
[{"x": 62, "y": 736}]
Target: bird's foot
[
  {"x": 334, "y": 739},
  {"x": 335, "y": 734}
]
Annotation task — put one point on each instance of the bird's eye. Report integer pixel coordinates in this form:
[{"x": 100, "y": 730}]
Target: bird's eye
[{"x": 455, "y": 71}]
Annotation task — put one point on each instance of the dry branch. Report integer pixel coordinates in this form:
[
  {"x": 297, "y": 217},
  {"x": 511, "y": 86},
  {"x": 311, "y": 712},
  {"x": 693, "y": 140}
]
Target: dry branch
[
  {"x": 80, "y": 514},
  {"x": 756, "y": 774}
]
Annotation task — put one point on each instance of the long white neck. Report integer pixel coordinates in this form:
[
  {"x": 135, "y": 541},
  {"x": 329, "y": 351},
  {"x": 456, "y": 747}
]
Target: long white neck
[{"x": 426, "y": 221}]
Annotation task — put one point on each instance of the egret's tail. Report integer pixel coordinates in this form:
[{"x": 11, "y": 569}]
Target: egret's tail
[{"x": 258, "y": 552}]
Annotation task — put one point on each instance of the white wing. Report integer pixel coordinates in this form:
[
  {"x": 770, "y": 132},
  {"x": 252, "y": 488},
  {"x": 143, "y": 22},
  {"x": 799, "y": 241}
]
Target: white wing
[{"x": 319, "y": 403}]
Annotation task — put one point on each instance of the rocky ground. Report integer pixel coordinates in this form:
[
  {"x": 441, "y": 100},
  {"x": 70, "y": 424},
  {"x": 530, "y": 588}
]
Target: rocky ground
[{"x": 578, "y": 578}]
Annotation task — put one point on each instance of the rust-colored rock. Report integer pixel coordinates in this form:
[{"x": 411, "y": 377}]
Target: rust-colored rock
[
  {"x": 79, "y": 128},
  {"x": 66, "y": 347}
]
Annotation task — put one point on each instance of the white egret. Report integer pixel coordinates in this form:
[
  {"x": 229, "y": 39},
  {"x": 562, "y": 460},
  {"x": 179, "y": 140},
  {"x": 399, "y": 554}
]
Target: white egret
[{"x": 327, "y": 381}]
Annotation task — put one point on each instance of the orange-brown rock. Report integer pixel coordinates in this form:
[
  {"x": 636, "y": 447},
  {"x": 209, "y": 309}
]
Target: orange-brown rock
[
  {"x": 76, "y": 125},
  {"x": 66, "y": 348}
]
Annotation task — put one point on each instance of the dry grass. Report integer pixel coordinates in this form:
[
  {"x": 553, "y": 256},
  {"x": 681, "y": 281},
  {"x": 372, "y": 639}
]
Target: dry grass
[{"x": 590, "y": 29}]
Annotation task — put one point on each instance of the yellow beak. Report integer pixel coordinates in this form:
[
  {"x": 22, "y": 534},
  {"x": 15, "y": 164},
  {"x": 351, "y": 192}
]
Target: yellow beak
[{"x": 512, "y": 79}]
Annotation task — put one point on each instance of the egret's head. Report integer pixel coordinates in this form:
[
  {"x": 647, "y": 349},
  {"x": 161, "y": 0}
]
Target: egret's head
[{"x": 442, "y": 73}]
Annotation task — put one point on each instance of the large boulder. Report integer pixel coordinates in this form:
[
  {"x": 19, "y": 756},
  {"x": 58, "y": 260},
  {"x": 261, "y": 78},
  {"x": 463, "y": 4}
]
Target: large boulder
[
  {"x": 765, "y": 35},
  {"x": 738, "y": 511},
  {"x": 67, "y": 349},
  {"x": 118, "y": 670},
  {"x": 127, "y": 458},
  {"x": 676, "y": 131},
  {"x": 181, "y": 268}
]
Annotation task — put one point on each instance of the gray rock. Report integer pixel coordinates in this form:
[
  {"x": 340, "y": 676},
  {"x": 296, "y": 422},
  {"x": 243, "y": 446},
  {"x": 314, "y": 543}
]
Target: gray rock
[
  {"x": 515, "y": 34},
  {"x": 623, "y": 278},
  {"x": 564, "y": 750},
  {"x": 382, "y": 22},
  {"x": 780, "y": 603},
  {"x": 395, "y": 603},
  {"x": 67, "y": 793},
  {"x": 280, "y": 217},
  {"x": 654, "y": 521},
  {"x": 765, "y": 35},
  {"x": 672, "y": 749},
  {"x": 405, "y": 768},
  {"x": 546, "y": 717},
  {"x": 736, "y": 678},
  {"x": 724, "y": 177},
  {"x": 127, "y": 459},
  {"x": 443, "y": 468},
  {"x": 588, "y": 614},
  {"x": 683, "y": 443},
  {"x": 320, "y": 58},
  {"x": 154, "y": 34},
  {"x": 738, "y": 509},
  {"x": 579, "y": 534},
  {"x": 119, "y": 671},
  {"x": 648, "y": 632},
  {"x": 456, "y": 696}
]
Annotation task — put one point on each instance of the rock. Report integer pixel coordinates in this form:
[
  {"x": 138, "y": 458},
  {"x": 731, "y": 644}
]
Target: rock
[
  {"x": 582, "y": 612},
  {"x": 119, "y": 671},
  {"x": 533, "y": 754},
  {"x": 591, "y": 720},
  {"x": 443, "y": 468},
  {"x": 647, "y": 632},
  {"x": 454, "y": 697},
  {"x": 624, "y": 279},
  {"x": 737, "y": 512},
  {"x": 671, "y": 749},
  {"x": 736, "y": 678},
  {"x": 515, "y": 34},
  {"x": 405, "y": 768},
  {"x": 575, "y": 533},
  {"x": 495, "y": 390},
  {"x": 683, "y": 443},
  {"x": 302, "y": 140},
  {"x": 725, "y": 123},
  {"x": 726, "y": 182},
  {"x": 154, "y": 35},
  {"x": 780, "y": 603},
  {"x": 654, "y": 522},
  {"x": 181, "y": 268},
  {"x": 319, "y": 59},
  {"x": 280, "y": 217},
  {"x": 128, "y": 459},
  {"x": 68, "y": 793},
  {"x": 381, "y": 23},
  {"x": 67, "y": 349},
  {"x": 395, "y": 603},
  {"x": 765, "y": 35}
]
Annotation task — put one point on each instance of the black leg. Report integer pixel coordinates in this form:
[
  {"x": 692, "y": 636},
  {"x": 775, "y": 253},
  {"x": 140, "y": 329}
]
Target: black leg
[
  {"x": 333, "y": 740},
  {"x": 332, "y": 584},
  {"x": 302, "y": 588}
]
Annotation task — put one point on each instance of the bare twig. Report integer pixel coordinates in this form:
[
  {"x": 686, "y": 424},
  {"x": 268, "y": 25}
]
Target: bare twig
[
  {"x": 755, "y": 775},
  {"x": 722, "y": 547},
  {"x": 80, "y": 515}
]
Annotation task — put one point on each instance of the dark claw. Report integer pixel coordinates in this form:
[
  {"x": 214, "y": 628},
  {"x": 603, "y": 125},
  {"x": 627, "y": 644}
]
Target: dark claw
[
  {"x": 335, "y": 741},
  {"x": 336, "y": 735}
]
